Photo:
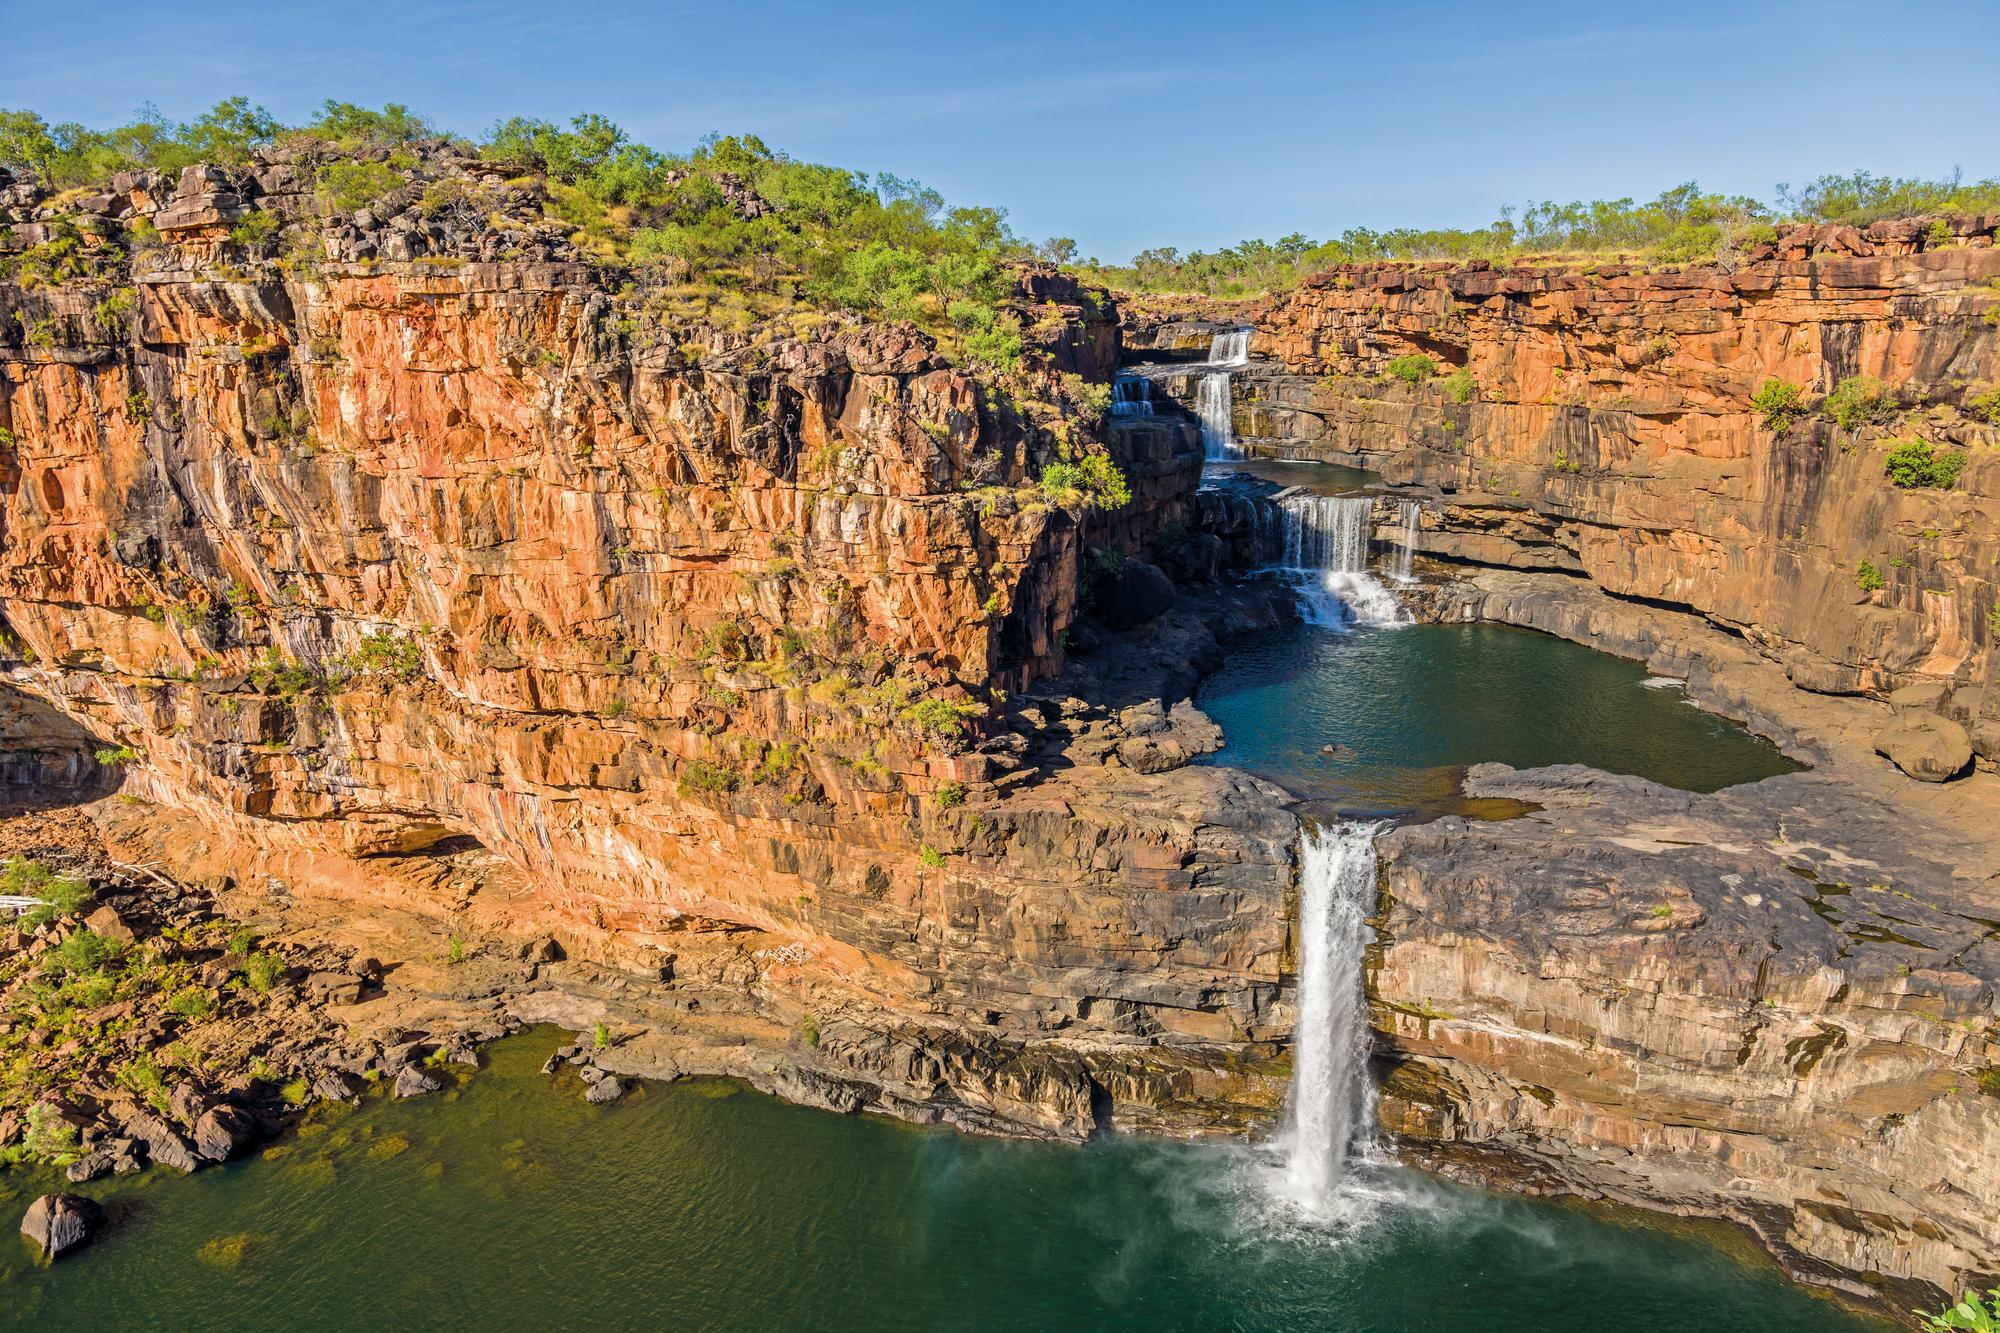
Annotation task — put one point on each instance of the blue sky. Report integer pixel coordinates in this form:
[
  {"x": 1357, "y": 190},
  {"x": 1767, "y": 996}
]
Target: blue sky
[{"x": 1126, "y": 125}]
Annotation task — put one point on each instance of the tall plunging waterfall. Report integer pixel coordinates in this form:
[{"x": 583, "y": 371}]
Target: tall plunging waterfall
[
  {"x": 1332, "y": 1096},
  {"x": 1211, "y": 404},
  {"x": 1211, "y": 394},
  {"x": 1323, "y": 540},
  {"x": 1406, "y": 546}
]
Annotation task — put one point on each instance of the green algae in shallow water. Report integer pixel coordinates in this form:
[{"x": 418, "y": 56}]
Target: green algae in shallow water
[
  {"x": 746, "y": 1213},
  {"x": 1411, "y": 707}
]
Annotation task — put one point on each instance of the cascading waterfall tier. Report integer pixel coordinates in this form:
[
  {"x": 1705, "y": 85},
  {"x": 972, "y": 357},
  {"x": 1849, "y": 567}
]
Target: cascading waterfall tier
[
  {"x": 1323, "y": 542},
  {"x": 1406, "y": 544},
  {"x": 1212, "y": 402},
  {"x": 1131, "y": 396},
  {"x": 1331, "y": 1106}
]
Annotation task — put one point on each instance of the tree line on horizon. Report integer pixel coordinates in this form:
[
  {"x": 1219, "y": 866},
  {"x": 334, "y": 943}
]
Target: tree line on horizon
[{"x": 892, "y": 247}]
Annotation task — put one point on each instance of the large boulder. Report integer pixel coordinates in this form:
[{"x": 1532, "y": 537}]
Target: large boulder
[
  {"x": 1132, "y": 594},
  {"x": 58, "y": 1223},
  {"x": 1927, "y": 747},
  {"x": 221, "y": 1132},
  {"x": 164, "y": 1144},
  {"x": 416, "y": 1081}
]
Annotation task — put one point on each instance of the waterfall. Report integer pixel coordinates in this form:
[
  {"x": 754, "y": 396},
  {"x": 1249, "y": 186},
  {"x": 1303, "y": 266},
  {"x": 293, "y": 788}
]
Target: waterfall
[
  {"x": 1332, "y": 1098},
  {"x": 1406, "y": 547},
  {"x": 1230, "y": 348},
  {"x": 1131, "y": 396},
  {"x": 1211, "y": 404},
  {"x": 1211, "y": 393},
  {"x": 1323, "y": 542}
]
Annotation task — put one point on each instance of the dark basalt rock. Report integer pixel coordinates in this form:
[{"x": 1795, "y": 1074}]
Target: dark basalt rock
[{"x": 59, "y": 1223}]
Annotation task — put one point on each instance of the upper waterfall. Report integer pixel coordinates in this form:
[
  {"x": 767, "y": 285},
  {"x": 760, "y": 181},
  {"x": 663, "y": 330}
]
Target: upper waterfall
[{"x": 1212, "y": 400}]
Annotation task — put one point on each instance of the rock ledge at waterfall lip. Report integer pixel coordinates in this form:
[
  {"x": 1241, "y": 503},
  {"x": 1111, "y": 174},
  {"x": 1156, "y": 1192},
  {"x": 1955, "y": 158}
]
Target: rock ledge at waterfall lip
[{"x": 1739, "y": 1004}]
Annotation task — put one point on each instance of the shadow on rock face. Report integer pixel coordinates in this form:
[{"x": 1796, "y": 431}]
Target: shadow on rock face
[{"x": 46, "y": 758}]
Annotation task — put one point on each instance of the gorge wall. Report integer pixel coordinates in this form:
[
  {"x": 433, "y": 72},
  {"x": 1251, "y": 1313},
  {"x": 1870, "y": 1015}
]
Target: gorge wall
[
  {"x": 690, "y": 629},
  {"x": 1779, "y": 1003},
  {"x": 447, "y": 573},
  {"x": 1604, "y": 428}
]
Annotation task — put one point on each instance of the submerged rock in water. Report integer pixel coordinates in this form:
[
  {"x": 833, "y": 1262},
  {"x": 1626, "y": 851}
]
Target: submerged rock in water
[
  {"x": 606, "y": 1089},
  {"x": 58, "y": 1223}
]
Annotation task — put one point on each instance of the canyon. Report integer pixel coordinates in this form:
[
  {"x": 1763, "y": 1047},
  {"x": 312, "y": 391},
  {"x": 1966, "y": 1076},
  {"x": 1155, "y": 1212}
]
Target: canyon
[{"x": 747, "y": 688}]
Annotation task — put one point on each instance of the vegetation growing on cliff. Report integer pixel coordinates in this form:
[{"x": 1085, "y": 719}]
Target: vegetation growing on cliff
[
  {"x": 1682, "y": 225},
  {"x": 1919, "y": 463},
  {"x": 733, "y": 214}
]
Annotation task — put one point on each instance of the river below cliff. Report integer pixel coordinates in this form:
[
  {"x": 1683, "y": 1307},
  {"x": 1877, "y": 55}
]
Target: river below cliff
[
  {"x": 511, "y": 1203},
  {"x": 1410, "y": 707}
]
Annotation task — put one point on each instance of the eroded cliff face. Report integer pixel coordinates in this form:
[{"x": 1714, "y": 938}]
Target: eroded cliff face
[
  {"x": 679, "y": 624},
  {"x": 1604, "y": 428},
  {"x": 1776, "y": 1003}
]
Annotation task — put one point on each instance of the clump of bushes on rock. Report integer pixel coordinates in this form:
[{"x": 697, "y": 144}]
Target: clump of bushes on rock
[{"x": 1918, "y": 463}]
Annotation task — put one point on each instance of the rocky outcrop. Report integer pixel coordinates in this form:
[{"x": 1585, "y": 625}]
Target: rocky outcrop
[
  {"x": 1757, "y": 1004},
  {"x": 432, "y": 543},
  {"x": 1598, "y": 421}
]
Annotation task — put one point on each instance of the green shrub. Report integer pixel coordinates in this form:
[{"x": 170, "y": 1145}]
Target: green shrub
[
  {"x": 600, "y": 1037},
  {"x": 1093, "y": 482},
  {"x": 1972, "y": 1314},
  {"x": 1416, "y": 368},
  {"x": 192, "y": 1003},
  {"x": 295, "y": 1092},
  {"x": 348, "y": 187},
  {"x": 85, "y": 951},
  {"x": 50, "y": 1139},
  {"x": 1985, "y": 407},
  {"x": 61, "y": 895},
  {"x": 1867, "y": 577},
  {"x": 387, "y": 651},
  {"x": 930, "y": 856},
  {"x": 1780, "y": 402},
  {"x": 1857, "y": 401},
  {"x": 949, "y": 794},
  {"x": 1460, "y": 387},
  {"x": 262, "y": 970},
  {"x": 940, "y": 717},
  {"x": 118, "y": 756},
  {"x": 707, "y": 779},
  {"x": 1914, "y": 463},
  {"x": 253, "y": 229}
]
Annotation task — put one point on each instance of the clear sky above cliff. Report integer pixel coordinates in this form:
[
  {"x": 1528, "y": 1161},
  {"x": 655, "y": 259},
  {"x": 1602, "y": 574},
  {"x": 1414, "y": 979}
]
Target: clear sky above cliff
[{"x": 1127, "y": 125}]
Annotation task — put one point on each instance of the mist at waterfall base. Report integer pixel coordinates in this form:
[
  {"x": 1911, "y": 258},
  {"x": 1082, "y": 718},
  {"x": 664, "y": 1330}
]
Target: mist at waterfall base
[{"x": 701, "y": 1204}]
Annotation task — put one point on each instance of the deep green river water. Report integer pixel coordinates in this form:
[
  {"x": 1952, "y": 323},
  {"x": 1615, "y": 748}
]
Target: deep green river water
[
  {"x": 1410, "y": 707},
  {"x": 509, "y": 1203},
  {"x": 702, "y": 1205}
]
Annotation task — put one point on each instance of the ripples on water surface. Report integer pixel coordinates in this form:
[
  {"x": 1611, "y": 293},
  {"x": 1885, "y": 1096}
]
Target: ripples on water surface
[
  {"x": 702, "y": 1205},
  {"x": 1411, "y": 707}
]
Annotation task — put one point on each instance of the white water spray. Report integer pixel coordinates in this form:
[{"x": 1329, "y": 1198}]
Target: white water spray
[
  {"x": 1323, "y": 542},
  {"x": 1406, "y": 546},
  {"x": 1131, "y": 396},
  {"x": 1230, "y": 348},
  {"x": 1331, "y": 1109}
]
